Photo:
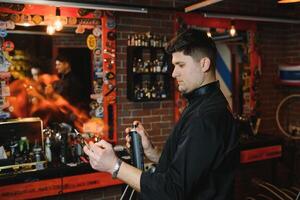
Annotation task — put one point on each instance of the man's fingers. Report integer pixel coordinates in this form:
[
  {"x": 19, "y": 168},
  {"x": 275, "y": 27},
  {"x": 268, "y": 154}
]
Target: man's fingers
[
  {"x": 103, "y": 144},
  {"x": 136, "y": 123},
  {"x": 128, "y": 138},
  {"x": 89, "y": 152},
  {"x": 127, "y": 130}
]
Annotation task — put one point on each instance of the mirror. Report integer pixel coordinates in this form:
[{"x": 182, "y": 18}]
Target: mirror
[{"x": 33, "y": 72}]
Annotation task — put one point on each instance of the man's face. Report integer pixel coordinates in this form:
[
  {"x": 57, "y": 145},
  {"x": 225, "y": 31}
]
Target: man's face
[
  {"x": 187, "y": 72},
  {"x": 61, "y": 67}
]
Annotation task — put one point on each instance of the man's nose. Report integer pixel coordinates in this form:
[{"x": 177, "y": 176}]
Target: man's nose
[{"x": 175, "y": 72}]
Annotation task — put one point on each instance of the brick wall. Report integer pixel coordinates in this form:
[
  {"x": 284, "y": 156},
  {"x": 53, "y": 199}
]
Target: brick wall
[
  {"x": 157, "y": 117},
  {"x": 278, "y": 44}
]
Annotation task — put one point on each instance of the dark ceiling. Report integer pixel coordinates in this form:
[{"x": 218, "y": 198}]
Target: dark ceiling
[{"x": 265, "y": 8}]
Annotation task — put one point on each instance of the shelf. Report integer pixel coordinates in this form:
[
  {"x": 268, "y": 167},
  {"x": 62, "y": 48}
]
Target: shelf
[{"x": 148, "y": 81}]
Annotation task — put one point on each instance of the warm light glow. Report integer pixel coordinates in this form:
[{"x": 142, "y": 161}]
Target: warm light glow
[
  {"x": 58, "y": 24},
  {"x": 26, "y": 24},
  {"x": 232, "y": 31},
  {"x": 209, "y": 34},
  {"x": 50, "y": 30},
  {"x": 32, "y": 98}
]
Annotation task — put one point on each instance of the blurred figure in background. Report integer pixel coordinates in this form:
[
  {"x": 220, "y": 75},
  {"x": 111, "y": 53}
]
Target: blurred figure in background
[{"x": 68, "y": 85}]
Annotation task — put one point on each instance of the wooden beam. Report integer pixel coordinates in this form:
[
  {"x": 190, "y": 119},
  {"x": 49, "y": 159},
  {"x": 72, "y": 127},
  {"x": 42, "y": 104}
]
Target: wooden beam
[{"x": 200, "y": 5}]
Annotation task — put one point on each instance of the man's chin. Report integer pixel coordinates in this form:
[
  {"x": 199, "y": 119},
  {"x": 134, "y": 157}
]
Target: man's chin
[{"x": 181, "y": 90}]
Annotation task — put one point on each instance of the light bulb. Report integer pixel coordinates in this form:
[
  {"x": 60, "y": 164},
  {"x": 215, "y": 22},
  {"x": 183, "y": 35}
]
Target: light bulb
[
  {"x": 232, "y": 31},
  {"x": 58, "y": 24},
  {"x": 50, "y": 30}
]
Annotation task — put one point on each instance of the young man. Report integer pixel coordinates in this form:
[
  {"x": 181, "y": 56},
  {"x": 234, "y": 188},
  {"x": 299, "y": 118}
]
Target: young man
[{"x": 201, "y": 153}]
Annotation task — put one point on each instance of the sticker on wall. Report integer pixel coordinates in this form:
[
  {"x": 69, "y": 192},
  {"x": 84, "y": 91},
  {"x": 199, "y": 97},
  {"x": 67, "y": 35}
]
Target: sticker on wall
[
  {"x": 99, "y": 112},
  {"x": 15, "y": 18},
  {"x": 3, "y": 33},
  {"x": 8, "y": 46},
  {"x": 10, "y": 24},
  {"x": 111, "y": 35},
  {"x": 91, "y": 42},
  {"x": 97, "y": 31},
  {"x": 2, "y": 25},
  {"x": 37, "y": 19},
  {"x": 111, "y": 23},
  {"x": 25, "y": 19},
  {"x": 80, "y": 29},
  {"x": 97, "y": 52},
  {"x": 72, "y": 20}
]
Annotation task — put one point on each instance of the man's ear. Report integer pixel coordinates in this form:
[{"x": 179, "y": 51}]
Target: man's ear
[{"x": 205, "y": 64}]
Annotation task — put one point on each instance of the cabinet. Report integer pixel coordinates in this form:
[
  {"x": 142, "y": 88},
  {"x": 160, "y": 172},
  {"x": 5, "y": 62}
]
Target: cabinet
[{"x": 148, "y": 74}]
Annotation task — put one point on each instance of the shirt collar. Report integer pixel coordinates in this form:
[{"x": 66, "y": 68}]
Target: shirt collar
[{"x": 201, "y": 91}]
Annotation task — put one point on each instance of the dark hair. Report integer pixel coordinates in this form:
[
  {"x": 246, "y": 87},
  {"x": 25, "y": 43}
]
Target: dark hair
[
  {"x": 63, "y": 58},
  {"x": 194, "y": 43}
]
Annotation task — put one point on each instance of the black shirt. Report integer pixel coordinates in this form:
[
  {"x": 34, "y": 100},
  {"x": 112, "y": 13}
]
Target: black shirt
[
  {"x": 69, "y": 87},
  {"x": 200, "y": 155}
]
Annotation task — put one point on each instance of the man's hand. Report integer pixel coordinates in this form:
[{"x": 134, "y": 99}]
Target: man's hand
[
  {"x": 150, "y": 151},
  {"x": 102, "y": 156}
]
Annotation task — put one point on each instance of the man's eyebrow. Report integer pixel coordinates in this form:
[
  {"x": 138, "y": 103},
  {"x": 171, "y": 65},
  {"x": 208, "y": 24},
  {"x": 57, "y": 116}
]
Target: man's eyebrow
[{"x": 178, "y": 62}]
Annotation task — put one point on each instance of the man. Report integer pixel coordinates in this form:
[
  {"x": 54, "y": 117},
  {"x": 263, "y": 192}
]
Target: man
[
  {"x": 68, "y": 85},
  {"x": 201, "y": 154}
]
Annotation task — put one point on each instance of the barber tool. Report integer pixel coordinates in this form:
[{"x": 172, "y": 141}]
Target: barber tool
[{"x": 136, "y": 148}]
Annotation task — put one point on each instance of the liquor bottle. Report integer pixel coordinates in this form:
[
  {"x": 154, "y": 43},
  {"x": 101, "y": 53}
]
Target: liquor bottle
[
  {"x": 139, "y": 41},
  {"x": 142, "y": 93},
  {"x": 14, "y": 150},
  {"x": 162, "y": 90},
  {"x": 153, "y": 92},
  {"x": 165, "y": 66},
  {"x": 146, "y": 67},
  {"x": 139, "y": 67},
  {"x": 24, "y": 148},
  {"x": 37, "y": 150},
  {"x": 136, "y": 92},
  {"x": 132, "y": 40},
  {"x": 128, "y": 40},
  {"x": 135, "y": 40},
  {"x": 143, "y": 41},
  {"x": 165, "y": 42},
  {"x": 153, "y": 41}
]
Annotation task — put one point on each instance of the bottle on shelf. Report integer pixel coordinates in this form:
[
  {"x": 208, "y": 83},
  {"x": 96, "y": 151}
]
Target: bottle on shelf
[
  {"x": 24, "y": 148},
  {"x": 48, "y": 152},
  {"x": 129, "y": 40},
  {"x": 147, "y": 69}
]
